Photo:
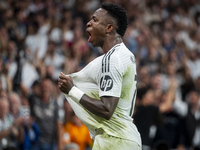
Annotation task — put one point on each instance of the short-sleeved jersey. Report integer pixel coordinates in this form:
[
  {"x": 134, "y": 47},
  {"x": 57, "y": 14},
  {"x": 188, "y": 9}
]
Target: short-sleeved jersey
[{"x": 112, "y": 74}]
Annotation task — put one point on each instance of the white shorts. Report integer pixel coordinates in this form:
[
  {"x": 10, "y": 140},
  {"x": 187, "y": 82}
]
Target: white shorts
[{"x": 106, "y": 142}]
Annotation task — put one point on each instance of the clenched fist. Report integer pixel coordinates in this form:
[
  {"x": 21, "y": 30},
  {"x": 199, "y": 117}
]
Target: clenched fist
[{"x": 65, "y": 83}]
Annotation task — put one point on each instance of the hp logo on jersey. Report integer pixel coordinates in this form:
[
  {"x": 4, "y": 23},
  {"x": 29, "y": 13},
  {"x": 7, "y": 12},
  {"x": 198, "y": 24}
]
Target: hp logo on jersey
[{"x": 106, "y": 83}]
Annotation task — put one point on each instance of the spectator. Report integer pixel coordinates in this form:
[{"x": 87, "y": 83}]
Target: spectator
[
  {"x": 16, "y": 113},
  {"x": 152, "y": 110},
  {"x": 156, "y": 85},
  {"x": 170, "y": 130},
  {"x": 9, "y": 128},
  {"x": 153, "y": 57},
  {"x": 15, "y": 105},
  {"x": 197, "y": 84},
  {"x": 150, "y": 113},
  {"x": 45, "y": 112},
  {"x": 31, "y": 135},
  {"x": 78, "y": 132},
  {"x": 189, "y": 110},
  {"x": 167, "y": 42},
  {"x": 53, "y": 59},
  {"x": 6, "y": 83},
  {"x": 192, "y": 63},
  {"x": 30, "y": 129}
]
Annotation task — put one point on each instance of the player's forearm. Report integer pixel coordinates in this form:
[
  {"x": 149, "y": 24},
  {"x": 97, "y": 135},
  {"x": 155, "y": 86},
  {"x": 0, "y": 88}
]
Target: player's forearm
[
  {"x": 95, "y": 106},
  {"x": 103, "y": 108}
]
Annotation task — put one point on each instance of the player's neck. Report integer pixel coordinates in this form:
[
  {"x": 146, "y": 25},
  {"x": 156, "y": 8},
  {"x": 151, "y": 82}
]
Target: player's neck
[{"x": 111, "y": 42}]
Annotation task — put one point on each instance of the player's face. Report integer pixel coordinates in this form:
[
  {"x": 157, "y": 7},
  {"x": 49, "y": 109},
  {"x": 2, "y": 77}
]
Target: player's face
[{"x": 96, "y": 28}]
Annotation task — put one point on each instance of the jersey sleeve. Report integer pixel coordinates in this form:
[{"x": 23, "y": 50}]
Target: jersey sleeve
[{"x": 110, "y": 82}]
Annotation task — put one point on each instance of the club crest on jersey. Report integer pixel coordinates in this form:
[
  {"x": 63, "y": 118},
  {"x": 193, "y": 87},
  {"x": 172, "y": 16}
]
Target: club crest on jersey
[
  {"x": 106, "y": 83},
  {"x": 132, "y": 58}
]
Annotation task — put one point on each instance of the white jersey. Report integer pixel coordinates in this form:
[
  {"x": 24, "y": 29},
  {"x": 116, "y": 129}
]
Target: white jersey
[{"x": 112, "y": 74}]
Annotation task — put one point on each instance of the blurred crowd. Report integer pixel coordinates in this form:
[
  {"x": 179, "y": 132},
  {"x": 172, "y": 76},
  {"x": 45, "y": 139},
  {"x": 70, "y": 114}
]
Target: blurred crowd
[{"x": 39, "y": 39}]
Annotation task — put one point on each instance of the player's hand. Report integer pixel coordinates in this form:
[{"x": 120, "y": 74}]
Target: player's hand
[{"x": 65, "y": 83}]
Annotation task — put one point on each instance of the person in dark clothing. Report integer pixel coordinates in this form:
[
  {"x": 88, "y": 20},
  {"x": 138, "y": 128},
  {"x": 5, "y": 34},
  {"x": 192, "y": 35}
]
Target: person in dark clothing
[
  {"x": 146, "y": 117},
  {"x": 191, "y": 121},
  {"x": 170, "y": 132},
  {"x": 44, "y": 111}
]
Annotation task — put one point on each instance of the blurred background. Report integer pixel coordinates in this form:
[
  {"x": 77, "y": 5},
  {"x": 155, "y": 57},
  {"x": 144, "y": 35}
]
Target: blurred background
[{"x": 39, "y": 39}]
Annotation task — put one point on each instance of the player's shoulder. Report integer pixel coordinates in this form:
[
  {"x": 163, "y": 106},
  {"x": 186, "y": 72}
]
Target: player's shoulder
[
  {"x": 119, "y": 54},
  {"x": 120, "y": 50},
  {"x": 95, "y": 61},
  {"x": 124, "y": 50},
  {"x": 122, "y": 53},
  {"x": 110, "y": 55}
]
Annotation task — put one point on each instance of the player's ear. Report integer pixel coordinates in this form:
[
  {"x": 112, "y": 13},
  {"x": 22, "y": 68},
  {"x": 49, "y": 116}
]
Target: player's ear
[{"x": 109, "y": 28}]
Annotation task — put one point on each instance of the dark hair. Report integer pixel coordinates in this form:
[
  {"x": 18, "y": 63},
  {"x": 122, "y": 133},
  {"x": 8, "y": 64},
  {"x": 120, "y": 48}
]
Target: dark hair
[
  {"x": 142, "y": 91},
  {"x": 119, "y": 13}
]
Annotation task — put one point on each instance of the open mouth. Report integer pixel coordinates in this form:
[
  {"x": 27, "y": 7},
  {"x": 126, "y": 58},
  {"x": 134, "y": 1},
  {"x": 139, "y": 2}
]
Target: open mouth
[{"x": 89, "y": 36}]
